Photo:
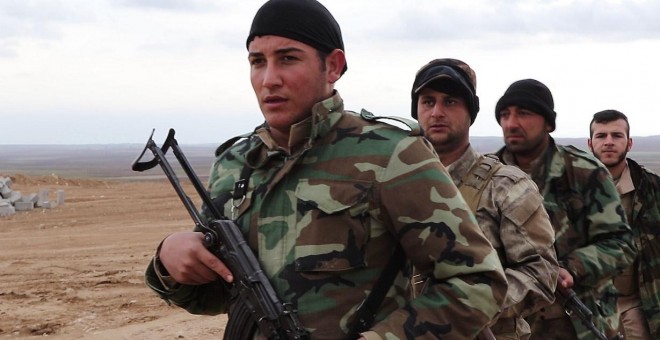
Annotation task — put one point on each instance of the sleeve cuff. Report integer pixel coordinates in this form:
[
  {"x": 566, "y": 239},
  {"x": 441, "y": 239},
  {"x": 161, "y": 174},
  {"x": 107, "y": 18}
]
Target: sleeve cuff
[
  {"x": 163, "y": 275},
  {"x": 165, "y": 279}
]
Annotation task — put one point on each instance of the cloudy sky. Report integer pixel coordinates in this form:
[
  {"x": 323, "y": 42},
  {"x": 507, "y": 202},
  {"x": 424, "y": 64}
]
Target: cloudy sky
[{"x": 108, "y": 71}]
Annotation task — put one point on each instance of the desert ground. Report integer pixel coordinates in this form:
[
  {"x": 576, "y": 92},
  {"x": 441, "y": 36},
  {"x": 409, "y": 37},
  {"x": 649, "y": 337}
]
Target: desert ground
[{"x": 76, "y": 271}]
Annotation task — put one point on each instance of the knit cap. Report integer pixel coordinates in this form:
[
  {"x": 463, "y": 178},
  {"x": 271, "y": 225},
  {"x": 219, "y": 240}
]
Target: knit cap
[{"x": 530, "y": 94}]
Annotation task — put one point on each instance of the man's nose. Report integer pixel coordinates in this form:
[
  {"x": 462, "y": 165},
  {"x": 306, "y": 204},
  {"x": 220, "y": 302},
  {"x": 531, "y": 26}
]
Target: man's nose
[
  {"x": 271, "y": 76},
  {"x": 438, "y": 110},
  {"x": 510, "y": 122}
]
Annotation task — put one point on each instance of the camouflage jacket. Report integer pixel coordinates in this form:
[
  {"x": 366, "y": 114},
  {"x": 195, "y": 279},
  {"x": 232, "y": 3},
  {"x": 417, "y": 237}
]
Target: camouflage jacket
[
  {"x": 645, "y": 224},
  {"x": 593, "y": 240},
  {"x": 324, "y": 220},
  {"x": 511, "y": 214}
]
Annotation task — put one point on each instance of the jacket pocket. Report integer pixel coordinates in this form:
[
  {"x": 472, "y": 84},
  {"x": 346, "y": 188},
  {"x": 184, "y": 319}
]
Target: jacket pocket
[{"x": 332, "y": 225}]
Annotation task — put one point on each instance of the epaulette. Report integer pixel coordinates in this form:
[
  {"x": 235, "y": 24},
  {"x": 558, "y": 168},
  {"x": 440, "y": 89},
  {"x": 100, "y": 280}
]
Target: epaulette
[
  {"x": 579, "y": 153},
  {"x": 574, "y": 150},
  {"x": 415, "y": 130},
  {"x": 224, "y": 146}
]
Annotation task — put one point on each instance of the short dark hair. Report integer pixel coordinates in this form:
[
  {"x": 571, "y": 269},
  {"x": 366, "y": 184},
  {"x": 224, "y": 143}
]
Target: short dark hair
[
  {"x": 322, "y": 56},
  {"x": 607, "y": 116}
]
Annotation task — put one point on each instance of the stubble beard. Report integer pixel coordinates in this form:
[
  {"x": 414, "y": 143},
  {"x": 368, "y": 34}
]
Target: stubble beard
[{"x": 610, "y": 164}]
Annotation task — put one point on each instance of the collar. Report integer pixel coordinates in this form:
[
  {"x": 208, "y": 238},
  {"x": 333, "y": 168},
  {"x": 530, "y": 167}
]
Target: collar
[
  {"x": 302, "y": 135},
  {"x": 542, "y": 168},
  {"x": 509, "y": 158},
  {"x": 625, "y": 184}
]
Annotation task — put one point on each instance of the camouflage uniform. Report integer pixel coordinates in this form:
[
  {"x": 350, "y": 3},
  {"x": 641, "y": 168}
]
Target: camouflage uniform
[
  {"x": 324, "y": 220},
  {"x": 510, "y": 212},
  {"x": 593, "y": 241},
  {"x": 643, "y": 212}
]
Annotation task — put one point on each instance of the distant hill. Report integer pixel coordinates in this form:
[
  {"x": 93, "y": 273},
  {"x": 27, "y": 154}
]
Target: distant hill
[
  {"x": 640, "y": 144},
  {"x": 113, "y": 161}
]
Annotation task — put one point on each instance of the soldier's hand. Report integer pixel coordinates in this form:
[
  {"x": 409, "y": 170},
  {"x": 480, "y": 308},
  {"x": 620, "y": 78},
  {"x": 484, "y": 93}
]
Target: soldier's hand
[
  {"x": 565, "y": 279},
  {"x": 188, "y": 262}
]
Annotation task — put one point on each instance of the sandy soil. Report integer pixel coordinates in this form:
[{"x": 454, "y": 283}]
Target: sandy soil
[{"x": 76, "y": 271}]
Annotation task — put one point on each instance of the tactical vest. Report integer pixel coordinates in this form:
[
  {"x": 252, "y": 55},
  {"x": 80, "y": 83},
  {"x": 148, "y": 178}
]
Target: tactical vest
[{"x": 472, "y": 185}]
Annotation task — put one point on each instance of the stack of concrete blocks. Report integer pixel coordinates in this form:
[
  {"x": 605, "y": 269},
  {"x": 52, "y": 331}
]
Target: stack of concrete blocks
[
  {"x": 7, "y": 197},
  {"x": 12, "y": 201}
]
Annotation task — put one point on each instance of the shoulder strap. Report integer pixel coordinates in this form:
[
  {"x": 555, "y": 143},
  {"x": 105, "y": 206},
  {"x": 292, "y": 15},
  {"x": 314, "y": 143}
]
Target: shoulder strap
[
  {"x": 415, "y": 130},
  {"x": 231, "y": 141},
  {"x": 366, "y": 312},
  {"x": 474, "y": 182}
]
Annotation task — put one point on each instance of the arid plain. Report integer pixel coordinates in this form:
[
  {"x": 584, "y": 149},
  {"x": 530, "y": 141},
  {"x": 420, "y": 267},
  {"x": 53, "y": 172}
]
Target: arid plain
[{"x": 76, "y": 271}]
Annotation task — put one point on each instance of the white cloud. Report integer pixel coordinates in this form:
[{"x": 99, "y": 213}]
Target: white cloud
[{"x": 183, "y": 63}]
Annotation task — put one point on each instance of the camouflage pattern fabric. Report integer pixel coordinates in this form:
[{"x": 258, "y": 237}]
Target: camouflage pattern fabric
[
  {"x": 511, "y": 214},
  {"x": 645, "y": 224},
  {"x": 593, "y": 240},
  {"x": 324, "y": 220}
]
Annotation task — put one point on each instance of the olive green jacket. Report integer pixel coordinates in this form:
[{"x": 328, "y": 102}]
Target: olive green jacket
[
  {"x": 645, "y": 224},
  {"x": 593, "y": 241}
]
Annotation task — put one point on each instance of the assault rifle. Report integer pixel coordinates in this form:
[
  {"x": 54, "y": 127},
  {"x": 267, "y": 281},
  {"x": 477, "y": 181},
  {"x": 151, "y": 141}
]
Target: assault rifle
[
  {"x": 574, "y": 306},
  {"x": 257, "y": 306}
]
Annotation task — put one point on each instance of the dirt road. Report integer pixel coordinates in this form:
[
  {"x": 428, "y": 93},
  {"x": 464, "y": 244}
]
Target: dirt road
[{"x": 76, "y": 271}]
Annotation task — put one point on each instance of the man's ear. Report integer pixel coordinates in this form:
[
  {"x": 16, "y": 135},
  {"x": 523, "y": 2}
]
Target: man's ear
[
  {"x": 334, "y": 63},
  {"x": 590, "y": 145},
  {"x": 630, "y": 144}
]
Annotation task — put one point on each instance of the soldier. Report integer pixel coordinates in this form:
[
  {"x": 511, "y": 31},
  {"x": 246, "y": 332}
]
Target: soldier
[
  {"x": 331, "y": 194},
  {"x": 639, "y": 285},
  {"x": 593, "y": 241},
  {"x": 507, "y": 204}
]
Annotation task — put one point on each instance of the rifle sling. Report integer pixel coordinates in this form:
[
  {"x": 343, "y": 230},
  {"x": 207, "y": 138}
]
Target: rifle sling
[
  {"x": 241, "y": 186},
  {"x": 366, "y": 312}
]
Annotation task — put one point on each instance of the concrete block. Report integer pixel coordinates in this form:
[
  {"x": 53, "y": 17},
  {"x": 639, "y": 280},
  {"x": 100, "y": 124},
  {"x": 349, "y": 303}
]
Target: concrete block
[
  {"x": 5, "y": 191},
  {"x": 5, "y": 187},
  {"x": 6, "y": 209},
  {"x": 60, "y": 197},
  {"x": 43, "y": 197},
  {"x": 15, "y": 196},
  {"x": 49, "y": 204},
  {"x": 5, "y": 182},
  {"x": 30, "y": 198},
  {"x": 24, "y": 206}
]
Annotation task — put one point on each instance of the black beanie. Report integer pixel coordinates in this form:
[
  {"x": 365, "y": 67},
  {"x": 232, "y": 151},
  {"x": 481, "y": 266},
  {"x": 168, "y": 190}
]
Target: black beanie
[
  {"x": 450, "y": 76},
  {"x": 307, "y": 21},
  {"x": 530, "y": 94}
]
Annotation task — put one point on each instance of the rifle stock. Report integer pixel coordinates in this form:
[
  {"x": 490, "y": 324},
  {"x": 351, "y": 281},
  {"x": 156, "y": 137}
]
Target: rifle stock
[{"x": 257, "y": 306}]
